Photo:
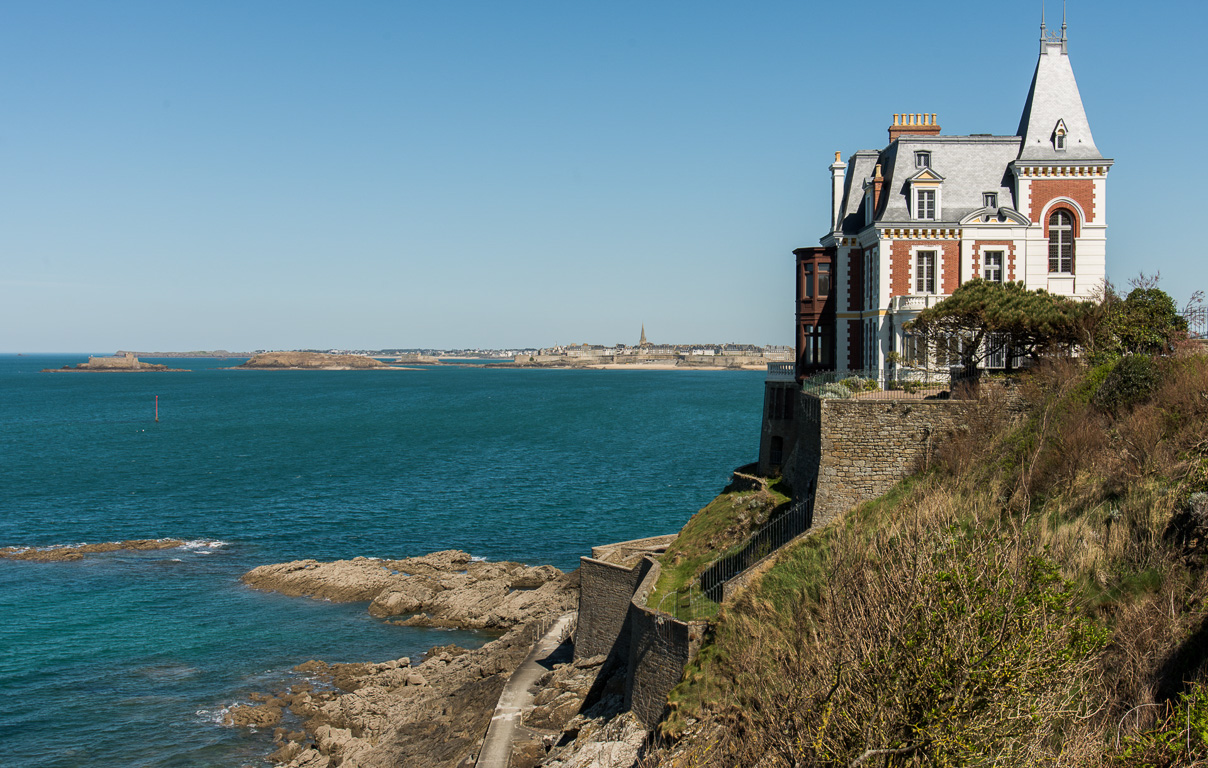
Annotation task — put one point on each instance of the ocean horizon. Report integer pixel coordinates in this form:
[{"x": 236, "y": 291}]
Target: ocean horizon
[{"x": 132, "y": 658}]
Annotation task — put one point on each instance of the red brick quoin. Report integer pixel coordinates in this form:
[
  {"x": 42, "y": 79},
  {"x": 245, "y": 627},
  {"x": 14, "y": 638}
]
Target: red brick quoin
[
  {"x": 901, "y": 281},
  {"x": 1008, "y": 247}
]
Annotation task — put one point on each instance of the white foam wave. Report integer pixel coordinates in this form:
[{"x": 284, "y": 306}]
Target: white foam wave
[
  {"x": 477, "y": 559},
  {"x": 205, "y": 546},
  {"x": 215, "y": 716}
]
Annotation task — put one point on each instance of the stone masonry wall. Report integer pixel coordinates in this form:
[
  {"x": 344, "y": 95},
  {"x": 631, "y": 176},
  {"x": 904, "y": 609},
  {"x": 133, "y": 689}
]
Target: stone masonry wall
[
  {"x": 855, "y": 450},
  {"x": 801, "y": 471},
  {"x": 660, "y": 647},
  {"x": 605, "y": 592}
]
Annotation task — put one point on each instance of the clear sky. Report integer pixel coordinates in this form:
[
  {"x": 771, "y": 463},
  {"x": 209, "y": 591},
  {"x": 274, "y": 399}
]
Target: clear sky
[{"x": 288, "y": 174}]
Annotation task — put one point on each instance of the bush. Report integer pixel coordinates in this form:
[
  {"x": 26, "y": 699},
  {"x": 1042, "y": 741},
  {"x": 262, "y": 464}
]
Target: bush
[
  {"x": 833, "y": 392},
  {"x": 859, "y": 384},
  {"x": 1130, "y": 382}
]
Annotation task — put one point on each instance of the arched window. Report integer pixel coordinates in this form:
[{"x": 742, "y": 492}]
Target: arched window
[{"x": 1061, "y": 243}]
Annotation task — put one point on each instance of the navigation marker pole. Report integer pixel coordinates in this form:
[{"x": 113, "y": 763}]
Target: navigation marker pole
[{"x": 157, "y": 409}]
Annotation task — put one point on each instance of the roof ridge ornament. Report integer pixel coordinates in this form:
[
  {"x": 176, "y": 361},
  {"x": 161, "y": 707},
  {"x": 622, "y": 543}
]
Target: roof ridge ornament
[{"x": 1047, "y": 37}]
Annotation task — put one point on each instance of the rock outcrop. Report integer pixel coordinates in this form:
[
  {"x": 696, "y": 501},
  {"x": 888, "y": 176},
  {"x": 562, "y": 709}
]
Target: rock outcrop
[
  {"x": 311, "y": 361},
  {"x": 77, "y": 551},
  {"x": 443, "y": 589}
]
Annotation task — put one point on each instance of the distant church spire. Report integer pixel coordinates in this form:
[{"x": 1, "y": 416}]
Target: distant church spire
[{"x": 643, "y": 341}]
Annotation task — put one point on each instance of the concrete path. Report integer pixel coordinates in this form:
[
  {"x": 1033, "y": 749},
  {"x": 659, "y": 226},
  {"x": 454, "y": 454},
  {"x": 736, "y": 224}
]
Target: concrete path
[{"x": 516, "y": 697}]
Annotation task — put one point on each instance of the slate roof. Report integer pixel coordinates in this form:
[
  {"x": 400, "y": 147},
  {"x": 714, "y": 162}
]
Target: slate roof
[
  {"x": 969, "y": 165},
  {"x": 1054, "y": 96}
]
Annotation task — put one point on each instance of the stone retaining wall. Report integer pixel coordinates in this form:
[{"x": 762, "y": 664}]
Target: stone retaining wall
[
  {"x": 660, "y": 646},
  {"x": 850, "y": 451},
  {"x": 623, "y": 552},
  {"x": 605, "y": 592}
]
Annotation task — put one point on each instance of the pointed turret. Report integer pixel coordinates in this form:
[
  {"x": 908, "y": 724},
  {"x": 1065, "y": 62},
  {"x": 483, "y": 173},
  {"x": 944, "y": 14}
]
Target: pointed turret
[
  {"x": 643, "y": 342},
  {"x": 1054, "y": 125}
]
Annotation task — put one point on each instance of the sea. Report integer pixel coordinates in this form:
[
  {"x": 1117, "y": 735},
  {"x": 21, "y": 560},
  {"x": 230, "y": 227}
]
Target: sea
[{"x": 132, "y": 658}]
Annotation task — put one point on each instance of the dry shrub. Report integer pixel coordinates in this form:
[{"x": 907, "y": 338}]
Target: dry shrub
[
  {"x": 938, "y": 640},
  {"x": 1078, "y": 443}
]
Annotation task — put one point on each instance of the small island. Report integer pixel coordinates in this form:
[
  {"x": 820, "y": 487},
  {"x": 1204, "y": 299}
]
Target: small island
[
  {"x": 312, "y": 361},
  {"x": 126, "y": 362}
]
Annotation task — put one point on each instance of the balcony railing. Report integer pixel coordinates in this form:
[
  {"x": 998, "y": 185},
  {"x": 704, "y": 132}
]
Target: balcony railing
[
  {"x": 1197, "y": 322},
  {"x": 916, "y": 302},
  {"x": 782, "y": 372}
]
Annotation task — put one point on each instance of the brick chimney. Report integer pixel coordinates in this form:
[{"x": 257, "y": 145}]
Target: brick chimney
[{"x": 916, "y": 124}]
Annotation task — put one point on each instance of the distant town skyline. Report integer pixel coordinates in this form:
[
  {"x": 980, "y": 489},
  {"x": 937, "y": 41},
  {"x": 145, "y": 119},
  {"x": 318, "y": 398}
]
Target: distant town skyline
[{"x": 395, "y": 175}]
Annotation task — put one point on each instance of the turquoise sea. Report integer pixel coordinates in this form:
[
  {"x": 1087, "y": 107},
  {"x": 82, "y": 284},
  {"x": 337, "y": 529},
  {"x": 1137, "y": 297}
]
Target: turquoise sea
[{"x": 129, "y": 659}]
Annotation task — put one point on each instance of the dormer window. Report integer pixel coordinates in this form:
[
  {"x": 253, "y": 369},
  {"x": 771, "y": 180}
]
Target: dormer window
[
  {"x": 922, "y": 159},
  {"x": 989, "y": 199},
  {"x": 924, "y": 195},
  {"x": 1059, "y": 134}
]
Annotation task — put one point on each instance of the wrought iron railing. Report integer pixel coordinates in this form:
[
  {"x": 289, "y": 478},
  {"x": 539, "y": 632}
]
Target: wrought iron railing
[
  {"x": 771, "y": 537},
  {"x": 900, "y": 383}
]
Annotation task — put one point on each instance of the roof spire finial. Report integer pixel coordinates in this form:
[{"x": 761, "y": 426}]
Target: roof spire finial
[{"x": 1047, "y": 37}]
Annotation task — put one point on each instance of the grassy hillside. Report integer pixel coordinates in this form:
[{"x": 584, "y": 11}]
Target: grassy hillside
[
  {"x": 1038, "y": 597},
  {"x": 724, "y": 523}
]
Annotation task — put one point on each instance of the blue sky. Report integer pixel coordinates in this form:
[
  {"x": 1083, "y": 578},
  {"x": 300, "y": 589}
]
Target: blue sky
[{"x": 265, "y": 174}]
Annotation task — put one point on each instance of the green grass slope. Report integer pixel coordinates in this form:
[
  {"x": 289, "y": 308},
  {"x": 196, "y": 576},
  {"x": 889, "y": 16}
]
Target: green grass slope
[{"x": 724, "y": 523}]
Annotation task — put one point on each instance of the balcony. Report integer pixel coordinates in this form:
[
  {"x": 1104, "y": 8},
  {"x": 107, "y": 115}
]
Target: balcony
[
  {"x": 917, "y": 302},
  {"x": 782, "y": 372}
]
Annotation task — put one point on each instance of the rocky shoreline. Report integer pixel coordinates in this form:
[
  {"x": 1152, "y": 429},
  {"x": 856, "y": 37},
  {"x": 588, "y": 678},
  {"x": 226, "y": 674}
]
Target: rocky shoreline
[{"x": 433, "y": 713}]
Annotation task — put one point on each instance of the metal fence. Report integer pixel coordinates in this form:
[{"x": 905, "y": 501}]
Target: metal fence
[
  {"x": 771, "y": 537},
  {"x": 898, "y": 383},
  {"x": 701, "y": 598},
  {"x": 1197, "y": 322}
]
